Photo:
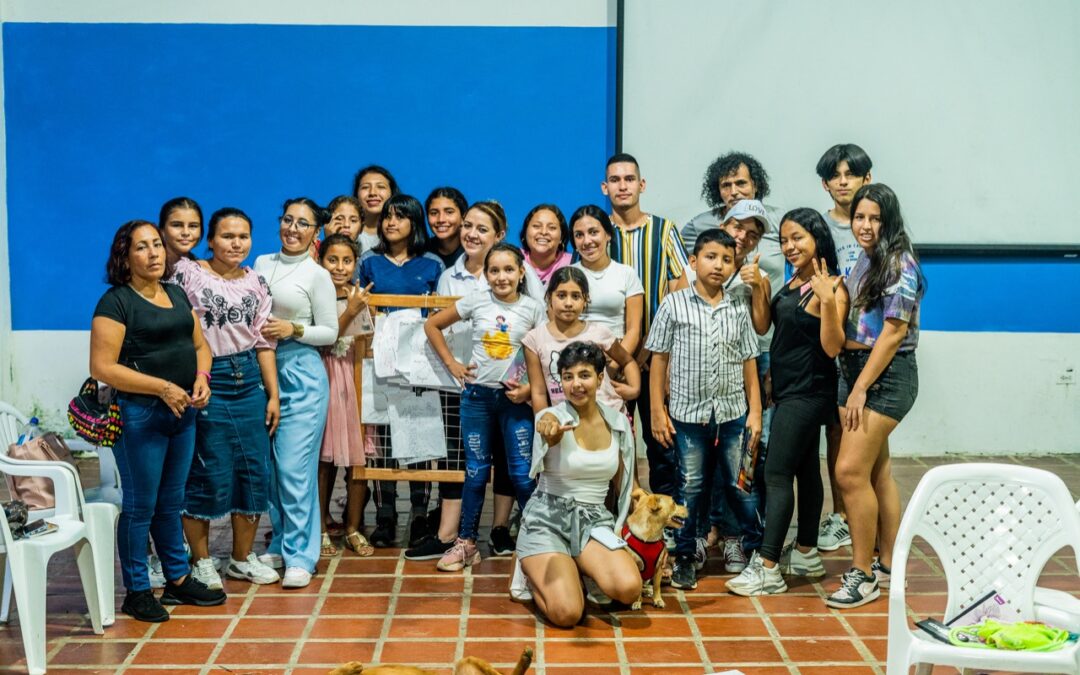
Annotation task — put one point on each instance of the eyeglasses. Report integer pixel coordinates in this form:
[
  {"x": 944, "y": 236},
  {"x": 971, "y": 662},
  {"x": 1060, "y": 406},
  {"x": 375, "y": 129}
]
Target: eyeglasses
[{"x": 287, "y": 222}]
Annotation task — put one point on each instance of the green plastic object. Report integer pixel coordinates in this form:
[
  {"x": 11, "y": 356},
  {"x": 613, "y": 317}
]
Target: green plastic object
[{"x": 1027, "y": 636}]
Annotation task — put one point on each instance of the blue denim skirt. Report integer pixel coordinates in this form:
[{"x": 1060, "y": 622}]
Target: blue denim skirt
[
  {"x": 893, "y": 394},
  {"x": 230, "y": 472}
]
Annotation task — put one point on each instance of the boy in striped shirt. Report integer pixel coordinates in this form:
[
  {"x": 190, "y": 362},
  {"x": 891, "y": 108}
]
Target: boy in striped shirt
[{"x": 703, "y": 339}]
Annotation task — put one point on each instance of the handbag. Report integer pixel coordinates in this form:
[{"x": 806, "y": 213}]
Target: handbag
[
  {"x": 36, "y": 492},
  {"x": 94, "y": 420}
]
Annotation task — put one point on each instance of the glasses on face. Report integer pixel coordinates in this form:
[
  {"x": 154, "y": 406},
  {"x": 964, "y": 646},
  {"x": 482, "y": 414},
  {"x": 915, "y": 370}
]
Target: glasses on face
[{"x": 288, "y": 223}]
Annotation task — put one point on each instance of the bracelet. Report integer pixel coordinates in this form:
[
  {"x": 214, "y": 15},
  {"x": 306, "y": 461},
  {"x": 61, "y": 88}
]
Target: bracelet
[{"x": 204, "y": 374}]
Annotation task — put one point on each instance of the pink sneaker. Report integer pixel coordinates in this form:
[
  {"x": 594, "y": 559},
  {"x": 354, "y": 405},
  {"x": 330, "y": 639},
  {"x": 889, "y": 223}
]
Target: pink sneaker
[{"x": 461, "y": 555}]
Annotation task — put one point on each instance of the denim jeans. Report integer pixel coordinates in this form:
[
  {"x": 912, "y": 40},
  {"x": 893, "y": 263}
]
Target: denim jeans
[
  {"x": 719, "y": 515},
  {"x": 153, "y": 455},
  {"x": 701, "y": 450},
  {"x": 486, "y": 415},
  {"x": 230, "y": 472},
  {"x": 661, "y": 460}
]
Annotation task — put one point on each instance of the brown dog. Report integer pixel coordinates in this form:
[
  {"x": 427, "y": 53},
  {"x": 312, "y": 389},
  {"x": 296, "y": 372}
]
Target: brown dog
[
  {"x": 644, "y": 533},
  {"x": 469, "y": 665}
]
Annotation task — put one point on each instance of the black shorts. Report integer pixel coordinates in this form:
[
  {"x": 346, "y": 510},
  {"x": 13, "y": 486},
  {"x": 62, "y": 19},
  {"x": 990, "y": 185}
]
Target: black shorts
[{"x": 893, "y": 393}]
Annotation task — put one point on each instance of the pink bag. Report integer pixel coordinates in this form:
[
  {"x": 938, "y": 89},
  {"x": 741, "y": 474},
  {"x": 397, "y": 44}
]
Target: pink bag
[{"x": 37, "y": 491}]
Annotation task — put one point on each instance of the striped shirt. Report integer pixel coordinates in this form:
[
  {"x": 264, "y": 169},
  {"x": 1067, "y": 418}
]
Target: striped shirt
[
  {"x": 707, "y": 347},
  {"x": 656, "y": 252}
]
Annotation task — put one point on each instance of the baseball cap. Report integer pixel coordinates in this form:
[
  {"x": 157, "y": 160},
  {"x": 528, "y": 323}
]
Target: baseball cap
[{"x": 749, "y": 208}]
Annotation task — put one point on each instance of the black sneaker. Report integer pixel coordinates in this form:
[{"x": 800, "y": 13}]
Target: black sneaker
[
  {"x": 191, "y": 592},
  {"x": 501, "y": 542},
  {"x": 143, "y": 606},
  {"x": 856, "y": 589},
  {"x": 429, "y": 548},
  {"x": 683, "y": 574},
  {"x": 418, "y": 529},
  {"x": 383, "y": 536}
]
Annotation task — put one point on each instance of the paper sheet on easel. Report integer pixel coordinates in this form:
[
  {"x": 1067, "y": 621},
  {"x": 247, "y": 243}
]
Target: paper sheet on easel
[
  {"x": 416, "y": 425},
  {"x": 374, "y": 403},
  {"x": 428, "y": 370},
  {"x": 393, "y": 344}
]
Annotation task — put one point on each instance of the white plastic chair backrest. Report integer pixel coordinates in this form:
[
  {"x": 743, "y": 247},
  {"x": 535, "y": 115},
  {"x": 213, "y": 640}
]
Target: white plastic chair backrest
[
  {"x": 11, "y": 423},
  {"x": 993, "y": 527}
]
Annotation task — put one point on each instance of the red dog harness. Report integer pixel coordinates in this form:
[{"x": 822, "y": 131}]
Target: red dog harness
[{"x": 648, "y": 551}]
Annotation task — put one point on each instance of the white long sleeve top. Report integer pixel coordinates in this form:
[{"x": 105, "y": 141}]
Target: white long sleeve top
[{"x": 302, "y": 293}]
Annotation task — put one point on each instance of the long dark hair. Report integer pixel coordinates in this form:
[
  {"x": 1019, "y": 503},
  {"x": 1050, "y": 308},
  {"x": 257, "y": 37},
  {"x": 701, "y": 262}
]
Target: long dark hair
[
  {"x": 503, "y": 247},
  {"x": 893, "y": 242},
  {"x": 815, "y": 225},
  {"x": 564, "y": 230},
  {"x": 179, "y": 203},
  {"x": 117, "y": 267},
  {"x": 564, "y": 275},
  {"x": 404, "y": 206}
]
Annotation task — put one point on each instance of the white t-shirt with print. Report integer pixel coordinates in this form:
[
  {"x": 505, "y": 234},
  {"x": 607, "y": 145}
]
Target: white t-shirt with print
[
  {"x": 497, "y": 330},
  {"x": 608, "y": 290}
]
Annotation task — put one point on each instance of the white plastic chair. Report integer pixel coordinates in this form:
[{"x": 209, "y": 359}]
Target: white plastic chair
[
  {"x": 28, "y": 559},
  {"x": 993, "y": 527},
  {"x": 99, "y": 516}
]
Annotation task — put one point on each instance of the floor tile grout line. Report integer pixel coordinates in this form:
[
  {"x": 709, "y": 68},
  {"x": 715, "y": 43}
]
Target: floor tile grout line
[
  {"x": 135, "y": 650},
  {"x": 620, "y": 647},
  {"x": 324, "y": 589},
  {"x": 695, "y": 632},
  {"x": 252, "y": 592},
  {"x": 856, "y": 640},
  {"x": 775, "y": 635},
  {"x": 384, "y": 633},
  {"x": 463, "y": 620},
  {"x": 539, "y": 663}
]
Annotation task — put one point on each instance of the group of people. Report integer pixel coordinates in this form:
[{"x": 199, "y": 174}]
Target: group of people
[{"x": 734, "y": 340}]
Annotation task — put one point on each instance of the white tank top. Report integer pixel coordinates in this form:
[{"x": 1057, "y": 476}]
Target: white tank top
[{"x": 582, "y": 475}]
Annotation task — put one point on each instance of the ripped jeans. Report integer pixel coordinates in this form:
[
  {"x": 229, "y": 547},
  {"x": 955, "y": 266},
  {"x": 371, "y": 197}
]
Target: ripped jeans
[{"x": 485, "y": 412}]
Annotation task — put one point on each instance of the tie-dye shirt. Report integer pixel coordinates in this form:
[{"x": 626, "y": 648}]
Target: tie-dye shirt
[{"x": 899, "y": 301}]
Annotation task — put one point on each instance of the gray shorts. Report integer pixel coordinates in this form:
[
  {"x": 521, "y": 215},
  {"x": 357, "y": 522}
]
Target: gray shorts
[{"x": 551, "y": 524}]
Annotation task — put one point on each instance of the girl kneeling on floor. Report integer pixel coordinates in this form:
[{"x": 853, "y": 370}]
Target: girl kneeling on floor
[{"x": 580, "y": 450}]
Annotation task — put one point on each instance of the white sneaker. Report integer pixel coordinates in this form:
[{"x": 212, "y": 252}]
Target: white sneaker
[
  {"x": 881, "y": 573},
  {"x": 794, "y": 562},
  {"x": 519, "y": 584},
  {"x": 734, "y": 555},
  {"x": 593, "y": 593},
  {"x": 856, "y": 589},
  {"x": 251, "y": 569},
  {"x": 157, "y": 575},
  {"x": 834, "y": 533},
  {"x": 756, "y": 579},
  {"x": 296, "y": 577},
  {"x": 205, "y": 571},
  {"x": 272, "y": 560}
]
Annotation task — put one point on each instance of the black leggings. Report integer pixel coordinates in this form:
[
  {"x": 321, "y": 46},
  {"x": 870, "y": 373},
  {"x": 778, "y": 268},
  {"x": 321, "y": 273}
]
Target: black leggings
[{"x": 793, "y": 455}]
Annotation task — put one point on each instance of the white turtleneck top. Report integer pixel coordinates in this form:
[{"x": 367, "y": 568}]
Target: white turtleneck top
[{"x": 302, "y": 293}]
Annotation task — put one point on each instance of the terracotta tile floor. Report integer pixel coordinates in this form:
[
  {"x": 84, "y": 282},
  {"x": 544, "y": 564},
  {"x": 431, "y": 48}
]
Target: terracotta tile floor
[{"x": 386, "y": 609}]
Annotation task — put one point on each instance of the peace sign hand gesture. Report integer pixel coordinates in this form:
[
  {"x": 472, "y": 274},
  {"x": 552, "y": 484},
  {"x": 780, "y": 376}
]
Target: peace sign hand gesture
[
  {"x": 357, "y": 297},
  {"x": 824, "y": 286}
]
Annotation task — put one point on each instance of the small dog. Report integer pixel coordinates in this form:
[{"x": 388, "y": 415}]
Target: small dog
[
  {"x": 644, "y": 533},
  {"x": 469, "y": 665}
]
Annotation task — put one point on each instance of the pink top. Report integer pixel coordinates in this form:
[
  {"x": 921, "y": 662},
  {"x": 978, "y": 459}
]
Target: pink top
[
  {"x": 561, "y": 260},
  {"x": 233, "y": 311},
  {"x": 548, "y": 347}
]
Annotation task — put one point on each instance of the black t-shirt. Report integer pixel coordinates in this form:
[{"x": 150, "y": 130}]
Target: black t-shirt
[
  {"x": 798, "y": 363},
  {"x": 447, "y": 260},
  {"x": 157, "y": 340}
]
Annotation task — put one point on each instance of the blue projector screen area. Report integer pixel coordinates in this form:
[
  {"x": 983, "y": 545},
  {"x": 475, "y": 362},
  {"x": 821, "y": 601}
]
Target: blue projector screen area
[{"x": 107, "y": 121}]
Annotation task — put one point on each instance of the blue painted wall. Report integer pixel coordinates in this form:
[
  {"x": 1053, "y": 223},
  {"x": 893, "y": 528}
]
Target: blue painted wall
[{"x": 107, "y": 121}]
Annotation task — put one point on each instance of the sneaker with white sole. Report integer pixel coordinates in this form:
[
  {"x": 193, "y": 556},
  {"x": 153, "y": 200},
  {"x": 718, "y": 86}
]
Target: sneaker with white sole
[
  {"x": 157, "y": 575},
  {"x": 296, "y": 577},
  {"x": 756, "y": 579},
  {"x": 881, "y": 573},
  {"x": 251, "y": 569},
  {"x": 734, "y": 555},
  {"x": 272, "y": 560},
  {"x": 833, "y": 533},
  {"x": 205, "y": 571},
  {"x": 701, "y": 553},
  {"x": 856, "y": 589},
  {"x": 519, "y": 584},
  {"x": 461, "y": 555},
  {"x": 794, "y": 562}
]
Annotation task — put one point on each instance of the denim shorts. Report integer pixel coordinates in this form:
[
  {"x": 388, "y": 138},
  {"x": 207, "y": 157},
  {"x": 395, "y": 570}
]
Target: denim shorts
[
  {"x": 894, "y": 392},
  {"x": 230, "y": 472}
]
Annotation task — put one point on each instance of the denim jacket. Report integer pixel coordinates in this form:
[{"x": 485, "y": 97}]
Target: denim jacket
[{"x": 624, "y": 437}]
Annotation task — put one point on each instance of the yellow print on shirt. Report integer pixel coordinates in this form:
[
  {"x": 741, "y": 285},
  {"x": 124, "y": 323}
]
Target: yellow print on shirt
[{"x": 497, "y": 345}]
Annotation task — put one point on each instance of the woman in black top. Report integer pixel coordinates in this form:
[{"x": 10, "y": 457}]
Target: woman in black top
[
  {"x": 146, "y": 344},
  {"x": 808, "y": 313}
]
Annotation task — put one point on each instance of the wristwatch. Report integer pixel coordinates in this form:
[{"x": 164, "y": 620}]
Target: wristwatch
[{"x": 298, "y": 330}]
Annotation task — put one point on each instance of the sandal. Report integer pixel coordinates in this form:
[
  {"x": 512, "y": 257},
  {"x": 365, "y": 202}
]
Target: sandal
[
  {"x": 328, "y": 549},
  {"x": 358, "y": 544}
]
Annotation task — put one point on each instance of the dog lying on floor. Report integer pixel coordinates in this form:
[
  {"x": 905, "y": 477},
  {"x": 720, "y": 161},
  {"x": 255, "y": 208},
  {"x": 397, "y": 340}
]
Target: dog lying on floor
[
  {"x": 469, "y": 665},
  {"x": 644, "y": 534}
]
